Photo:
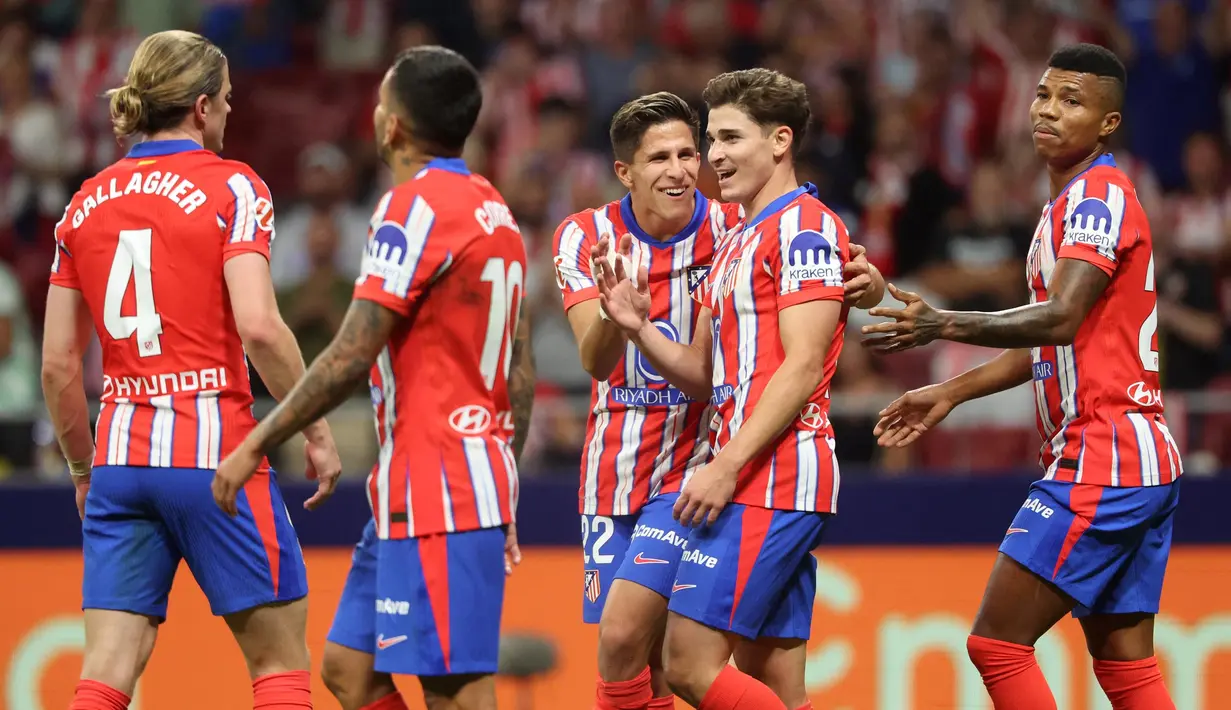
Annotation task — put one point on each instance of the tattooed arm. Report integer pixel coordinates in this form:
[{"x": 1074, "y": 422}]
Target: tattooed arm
[
  {"x": 521, "y": 383},
  {"x": 333, "y": 376},
  {"x": 1075, "y": 287}
]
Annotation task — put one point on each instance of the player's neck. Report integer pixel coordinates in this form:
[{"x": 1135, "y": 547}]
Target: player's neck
[
  {"x": 407, "y": 164},
  {"x": 178, "y": 134},
  {"x": 659, "y": 227},
  {"x": 780, "y": 183},
  {"x": 1061, "y": 175}
]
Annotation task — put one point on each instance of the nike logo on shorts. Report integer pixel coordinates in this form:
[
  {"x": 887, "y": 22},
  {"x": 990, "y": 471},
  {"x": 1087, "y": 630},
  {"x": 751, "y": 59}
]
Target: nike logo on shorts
[
  {"x": 641, "y": 559},
  {"x": 382, "y": 643},
  {"x": 1010, "y": 531},
  {"x": 682, "y": 587}
]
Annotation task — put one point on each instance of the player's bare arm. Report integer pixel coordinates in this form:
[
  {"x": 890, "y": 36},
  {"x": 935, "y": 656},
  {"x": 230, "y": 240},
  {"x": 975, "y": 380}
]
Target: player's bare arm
[
  {"x": 807, "y": 332},
  {"x": 687, "y": 366},
  {"x": 66, "y": 335},
  {"x": 521, "y": 383},
  {"x": 908, "y": 417},
  {"x": 1076, "y": 286},
  {"x": 332, "y": 377},
  {"x": 600, "y": 343}
]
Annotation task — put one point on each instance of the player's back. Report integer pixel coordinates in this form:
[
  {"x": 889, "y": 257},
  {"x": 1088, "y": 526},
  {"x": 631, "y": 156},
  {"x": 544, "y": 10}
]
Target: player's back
[
  {"x": 644, "y": 436},
  {"x": 1100, "y": 402},
  {"x": 445, "y": 253},
  {"x": 145, "y": 241}
]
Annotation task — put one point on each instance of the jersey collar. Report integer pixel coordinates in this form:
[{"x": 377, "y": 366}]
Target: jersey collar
[
  {"x": 151, "y": 149},
  {"x": 699, "y": 210},
  {"x": 1104, "y": 159},
  {"x": 452, "y": 165},
  {"x": 783, "y": 201}
]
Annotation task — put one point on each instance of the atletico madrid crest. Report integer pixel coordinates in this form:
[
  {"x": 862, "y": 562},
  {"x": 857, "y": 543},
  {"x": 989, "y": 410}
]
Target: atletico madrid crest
[{"x": 593, "y": 590}]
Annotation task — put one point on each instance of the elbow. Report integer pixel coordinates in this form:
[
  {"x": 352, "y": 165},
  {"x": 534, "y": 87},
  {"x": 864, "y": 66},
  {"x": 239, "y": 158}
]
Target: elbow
[
  {"x": 1063, "y": 332},
  {"x": 58, "y": 368},
  {"x": 597, "y": 367},
  {"x": 262, "y": 331}
]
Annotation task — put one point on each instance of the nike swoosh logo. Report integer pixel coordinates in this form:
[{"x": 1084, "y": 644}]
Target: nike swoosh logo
[
  {"x": 383, "y": 643},
  {"x": 641, "y": 559},
  {"x": 682, "y": 587},
  {"x": 1010, "y": 531}
]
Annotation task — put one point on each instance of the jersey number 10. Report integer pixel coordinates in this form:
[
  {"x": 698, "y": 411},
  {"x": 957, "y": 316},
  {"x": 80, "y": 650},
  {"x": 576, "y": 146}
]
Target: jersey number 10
[
  {"x": 131, "y": 264},
  {"x": 502, "y": 317}
]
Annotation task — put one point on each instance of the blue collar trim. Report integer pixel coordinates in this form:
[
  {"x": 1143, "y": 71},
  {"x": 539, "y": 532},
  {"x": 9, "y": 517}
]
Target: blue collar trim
[
  {"x": 150, "y": 149},
  {"x": 452, "y": 165},
  {"x": 699, "y": 210},
  {"x": 783, "y": 201}
]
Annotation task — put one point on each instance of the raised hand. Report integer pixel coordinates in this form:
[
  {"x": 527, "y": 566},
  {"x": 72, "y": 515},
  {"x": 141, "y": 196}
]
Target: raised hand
[
  {"x": 625, "y": 301},
  {"x": 912, "y": 414},
  {"x": 915, "y": 325}
]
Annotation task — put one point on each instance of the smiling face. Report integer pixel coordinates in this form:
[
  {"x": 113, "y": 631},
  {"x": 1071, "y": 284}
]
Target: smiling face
[
  {"x": 662, "y": 176},
  {"x": 742, "y": 153},
  {"x": 1072, "y": 115}
]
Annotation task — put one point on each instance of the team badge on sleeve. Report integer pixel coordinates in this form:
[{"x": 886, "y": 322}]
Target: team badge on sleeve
[
  {"x": 1092, "y": 223},
  {"x": 810, "y": 257}
]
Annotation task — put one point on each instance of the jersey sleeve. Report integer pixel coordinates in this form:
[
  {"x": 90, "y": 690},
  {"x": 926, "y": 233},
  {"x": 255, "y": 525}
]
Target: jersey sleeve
[
  {"x": 572, "y": 246},
  {"x": 247, "y": 222},
  {"x": 63, "y": 268},
  {"x": 1100, "y": 223},
  {"x": 807, "y": 264},
  {"x": 408, "y": 249}
]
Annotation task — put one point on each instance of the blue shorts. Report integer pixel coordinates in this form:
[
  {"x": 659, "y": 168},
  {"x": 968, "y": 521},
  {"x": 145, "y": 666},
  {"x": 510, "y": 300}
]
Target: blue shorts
[
  {"x": 644, "y": 548},
  {"x": 139, "y": 523},
  {"x": 752, "y": 572},
  {"x": 1105, "y": 547},
  {"x": 425, "y": 606}
]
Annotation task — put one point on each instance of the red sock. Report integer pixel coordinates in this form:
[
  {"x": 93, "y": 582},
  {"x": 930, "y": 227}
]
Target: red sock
[
  {"x": 664, "y": 703},
  {"x": 1134, "y": 685},
  {"x": 392, "y": 701},
  {"x": 92, "y": 695},
  {"x": 733, "y": 690},
  {"x": 632, "y": 694},
  {"x": 1013, "y": 678},
  {"x": 282, "y": 691}
]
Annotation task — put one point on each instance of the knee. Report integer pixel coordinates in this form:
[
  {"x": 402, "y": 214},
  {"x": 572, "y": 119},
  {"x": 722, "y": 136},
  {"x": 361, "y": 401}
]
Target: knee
[
  {"x": 279, "y": 658},
  {"x": 619, "y": 640},
  {"x": 353, "y": 688},
  {"x": 678, "y": 667}
]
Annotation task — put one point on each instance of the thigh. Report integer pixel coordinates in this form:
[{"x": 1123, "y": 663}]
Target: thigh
[
  {"x": 242, "y": 562},
  {"x": 734, "y": 574},
  {"x": 272, "y": 637},
  {"x": 447, "y": 593},
  {"x": 604, "y": 546},
  {"x": 354, "y": 621},
  {"x": 129, "y": 555},
  {"x": 118, "y": 645},
  {"x": 653, "y": 554}
]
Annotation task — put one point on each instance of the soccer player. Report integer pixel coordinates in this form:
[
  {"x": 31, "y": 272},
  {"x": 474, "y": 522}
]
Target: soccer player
[
  {"x": 1093, "y": 536},
  {"x": 769, "y": 332},
  {"x": 436, "y": 319},
  {"x": 644, "y": 437},
  {"x": 166, "y": 252}
]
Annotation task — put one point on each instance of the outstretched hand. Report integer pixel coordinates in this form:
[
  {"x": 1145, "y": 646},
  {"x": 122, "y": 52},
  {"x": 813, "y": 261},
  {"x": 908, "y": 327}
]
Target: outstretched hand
[
  {"x": 912, "y": 414},
  {"x": 625, "y": 301},
  {"x": 913, "y": 326}
]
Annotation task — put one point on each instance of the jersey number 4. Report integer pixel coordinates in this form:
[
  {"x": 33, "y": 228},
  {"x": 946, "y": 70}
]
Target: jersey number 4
[
  {"x": 502, "y": 317},
  {"x": 131, "y": 264}
]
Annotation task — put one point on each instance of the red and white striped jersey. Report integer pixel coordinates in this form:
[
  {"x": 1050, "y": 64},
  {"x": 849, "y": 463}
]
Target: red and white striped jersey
[
  {"x": 1100, "y": 406},
  {"x": 791, "y": 253},
  {"x": 445, "y": 253},
  {"x": 144, "y": 241},
  {"x": 643, "y": 437}
]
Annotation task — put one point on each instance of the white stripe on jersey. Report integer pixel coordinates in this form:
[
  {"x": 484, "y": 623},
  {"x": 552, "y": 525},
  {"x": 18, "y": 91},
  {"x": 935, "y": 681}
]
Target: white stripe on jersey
[
  {"x": 385, "y": 457},
  {"x": 789, "y": 225},
  {"x": 446, "y": 499},
  {"x": 418, "y": 226},
  {"x": 571, "y": 239},
  {"x": 837, "y": 476},
  {"x": 807, "y": 473},
  {"x": 162, "y": 432},
  {"x": 1147, "y": 452},
  {"x": 1115, "y": 456},
  {"x": 118, "y": 433},
  {"x": 594, "y": 452},
  {"x": 745, "y": 307},
  {"x": 1115, "y": 201},
  {"x": 510, "y": 467},
  {"x": 209, "y": 430},
  {"x": 773, "y": 480},
  {"x": 482, "y": 480},
  {"x": 680, "y": 316},
  {"x": 243, "y": 226}
]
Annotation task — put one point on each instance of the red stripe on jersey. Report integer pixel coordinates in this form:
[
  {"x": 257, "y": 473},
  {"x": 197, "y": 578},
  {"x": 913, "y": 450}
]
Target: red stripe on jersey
[
  {"x": 643, "y": 436},
  {"x": 446, "y": 253},
  {"x": 794, "y": 254},
  {"x": 1099, "y": 402}
]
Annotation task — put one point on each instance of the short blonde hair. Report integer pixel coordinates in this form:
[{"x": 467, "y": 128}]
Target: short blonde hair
[{"x": 168, "y": 72}]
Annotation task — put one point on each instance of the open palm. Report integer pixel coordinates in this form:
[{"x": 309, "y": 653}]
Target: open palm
[
  {"x": 912, "y": 414},
  {"x": 625, "y": 300}
]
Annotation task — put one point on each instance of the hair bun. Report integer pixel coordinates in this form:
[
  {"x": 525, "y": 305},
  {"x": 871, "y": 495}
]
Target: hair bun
[{"x": 128, "y": 111}]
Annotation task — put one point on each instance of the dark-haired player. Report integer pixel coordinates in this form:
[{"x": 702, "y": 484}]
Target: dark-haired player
[
  {"x": 1093, "y": 536},
  {"x": 769, "y": 332},
  {"x": 437, "y": 321},
  {"x": 645, "y": 437}
]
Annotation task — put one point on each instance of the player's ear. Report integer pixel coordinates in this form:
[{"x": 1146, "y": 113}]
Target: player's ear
[
  {"x": 782, "y": 137},
  {"x": 201, "y": 108},
  {"x": 1111, "y": 121},
  {"x": 624, "y": 174}
]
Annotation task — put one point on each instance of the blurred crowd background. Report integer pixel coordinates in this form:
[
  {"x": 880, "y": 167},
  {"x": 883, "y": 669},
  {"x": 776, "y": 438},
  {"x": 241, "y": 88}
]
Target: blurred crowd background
[{"x": 920, "y": 140}]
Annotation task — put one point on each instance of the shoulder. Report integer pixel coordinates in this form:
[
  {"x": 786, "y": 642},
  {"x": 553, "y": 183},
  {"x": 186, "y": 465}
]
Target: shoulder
[{"x": 586, "y": 222}]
